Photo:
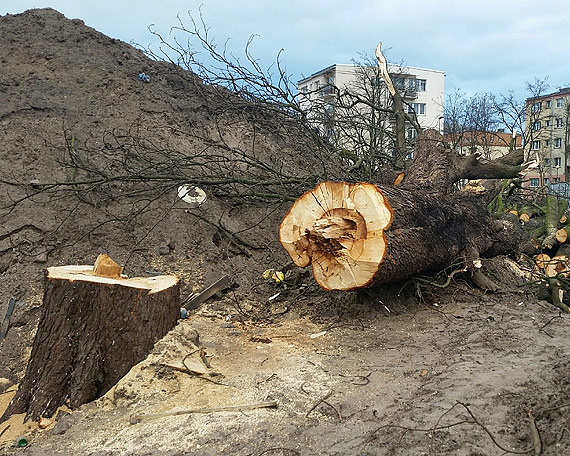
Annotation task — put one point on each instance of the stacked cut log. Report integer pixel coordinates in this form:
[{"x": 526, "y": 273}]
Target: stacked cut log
[
  {"x": 548, "y": 227},
  {"x": 359, "y": 235}
]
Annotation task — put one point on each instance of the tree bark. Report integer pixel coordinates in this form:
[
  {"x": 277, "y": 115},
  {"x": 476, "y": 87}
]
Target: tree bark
[
  {"x": 93, "y": 330},
  {"x": 358, "y": 235}
]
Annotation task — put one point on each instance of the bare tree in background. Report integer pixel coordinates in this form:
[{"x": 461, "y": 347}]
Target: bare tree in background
[{"x": 472, "y": 122}]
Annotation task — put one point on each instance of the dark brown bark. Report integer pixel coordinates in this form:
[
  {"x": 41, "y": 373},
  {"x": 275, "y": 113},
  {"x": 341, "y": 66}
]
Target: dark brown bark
[
  {"x": 436, "y": 167},
  {"x": 91, "y": 333},
  {"x": 430, "y": 234}
]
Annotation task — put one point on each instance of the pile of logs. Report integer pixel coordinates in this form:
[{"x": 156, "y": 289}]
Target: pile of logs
[{"x": 548, "y": 227}]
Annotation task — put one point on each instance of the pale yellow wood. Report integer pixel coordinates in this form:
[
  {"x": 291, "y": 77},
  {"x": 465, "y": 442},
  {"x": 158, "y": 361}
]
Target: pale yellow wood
[
  {"x": 85, "y": 273},
  {"x": 561, "y": 235},
  {"x": 558, "y": 264},
  {"x": 542, "y": 260},
  {"x": 105, "y": 267},
  {"x": 339, "y": 229}
]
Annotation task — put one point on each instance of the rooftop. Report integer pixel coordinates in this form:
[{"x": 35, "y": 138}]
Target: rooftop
[
  {"x": 351, "y": 65},
  {"x": 565, "y": 91}
]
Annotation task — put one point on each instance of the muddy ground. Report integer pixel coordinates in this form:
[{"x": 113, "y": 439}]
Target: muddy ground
[{"x": 413, "y": 371}]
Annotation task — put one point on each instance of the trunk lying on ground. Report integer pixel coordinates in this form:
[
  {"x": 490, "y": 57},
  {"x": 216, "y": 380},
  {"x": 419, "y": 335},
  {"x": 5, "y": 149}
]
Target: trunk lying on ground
[
  {"x": 95, "y": 326},
  {"x": 357, "y": 235}
]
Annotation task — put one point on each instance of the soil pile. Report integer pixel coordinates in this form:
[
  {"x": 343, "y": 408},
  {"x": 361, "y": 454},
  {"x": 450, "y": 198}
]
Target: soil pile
[{"x": 75, "y": 110}]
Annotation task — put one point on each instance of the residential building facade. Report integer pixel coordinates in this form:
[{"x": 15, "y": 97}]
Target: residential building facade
[
  {"x": 323, "y": 96},
  {"x": 488, "y": 144},
  {"x": 547, "y": 127}
]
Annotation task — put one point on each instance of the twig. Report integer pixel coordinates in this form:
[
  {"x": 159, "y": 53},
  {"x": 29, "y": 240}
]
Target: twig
[
  {"x": 189, "y": 372},
  {"x": 279, "y": 449},
  {"x": 482, "y": 426},
  {"x": 550, "y": 321},
  {"x": 204, "y": 358},
  {"x": 433, "y": 283},
  {"x": 335, "y": 409},
  {"x": 437, "y": 427},
  {"x": 541, "y": 412},
  {"x": 534, "y": 434},
  {"x": 9, "y": 391},
  {"x": 324, "y": 398},
  {"x": 134, "y": 419},
  {"x": 365, "y": 378},
  {"x": 4, "y": 430}
]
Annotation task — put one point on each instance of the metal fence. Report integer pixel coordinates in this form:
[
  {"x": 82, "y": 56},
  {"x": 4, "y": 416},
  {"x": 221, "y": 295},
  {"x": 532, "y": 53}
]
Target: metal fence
[{"x": 560, "y": 190}]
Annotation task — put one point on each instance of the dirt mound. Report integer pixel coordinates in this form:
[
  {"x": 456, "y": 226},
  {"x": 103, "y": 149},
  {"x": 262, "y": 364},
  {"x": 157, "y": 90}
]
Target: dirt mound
[{"x": 92, "y": 157}]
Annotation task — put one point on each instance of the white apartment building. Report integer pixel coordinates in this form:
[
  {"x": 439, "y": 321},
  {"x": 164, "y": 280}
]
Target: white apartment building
[
  {"x": 547, "y": 121},
  {"x": 422, "y": 91}
]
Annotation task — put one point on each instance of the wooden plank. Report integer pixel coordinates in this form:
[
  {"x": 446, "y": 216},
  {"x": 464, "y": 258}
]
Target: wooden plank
[{"x": 195, "y": 300}]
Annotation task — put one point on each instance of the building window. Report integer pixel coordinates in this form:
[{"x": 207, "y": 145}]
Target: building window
[
  {"x": 559, "y": 102},
  {"x": 557, "y": 162},
  {"x": 534, "y": 181},
  {"x": 549, "y": 104},
  {"x": 536, "y": 125},
  {"x": 418, "y": 108},
  {"x": 545, "y": 181},
  {"x": 399, "y": 83},
  {"x": 412, "y": 133},
  {"x": 417, "y": 85},
  {"x": 548, "y": 123},
  {"x": 535, "y": 145},
  {"x": 558, "y": 143},
  {"x": 536, "y": 106},
  {"x": 410, "y": 156},
  {"x": 377, "y": 81},
  {"x": 559, "y": 123},
  {"x": 547, "y": 143},
  {"x": 555, "y": 180}
]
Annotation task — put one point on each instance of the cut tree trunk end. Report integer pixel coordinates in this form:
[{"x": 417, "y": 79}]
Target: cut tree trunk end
[
  {"x": 359, "y": 235},
  {"x": 94, "y": 328},
  {"x": 339, "y": 229}
]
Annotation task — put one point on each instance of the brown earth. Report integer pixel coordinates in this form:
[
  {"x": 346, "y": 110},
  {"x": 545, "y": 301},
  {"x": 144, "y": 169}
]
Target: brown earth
[{"x": 380, "y": 372}]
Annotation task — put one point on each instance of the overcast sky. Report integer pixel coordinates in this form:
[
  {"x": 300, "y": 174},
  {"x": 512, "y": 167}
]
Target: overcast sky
[{"x": 493, "y": 46}]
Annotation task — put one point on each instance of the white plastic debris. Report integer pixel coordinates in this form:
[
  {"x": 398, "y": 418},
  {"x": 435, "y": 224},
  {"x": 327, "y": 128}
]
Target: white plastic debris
[{"x": 191, "y": 194}]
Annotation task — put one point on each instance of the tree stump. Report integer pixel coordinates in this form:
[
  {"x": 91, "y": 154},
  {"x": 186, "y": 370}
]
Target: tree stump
[{"x": 93, "y": 330}]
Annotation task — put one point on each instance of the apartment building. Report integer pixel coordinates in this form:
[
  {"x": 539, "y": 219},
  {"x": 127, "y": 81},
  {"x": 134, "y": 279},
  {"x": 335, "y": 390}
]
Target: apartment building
[
  {"x": 547, "y": 123},
  {"x": 422, "y": 91}
]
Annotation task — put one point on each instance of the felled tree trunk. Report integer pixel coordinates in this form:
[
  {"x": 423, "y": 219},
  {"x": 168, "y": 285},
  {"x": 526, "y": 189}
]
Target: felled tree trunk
[
  {"x": 358, "y": 235},
  {"x": 93, "y": 330}
]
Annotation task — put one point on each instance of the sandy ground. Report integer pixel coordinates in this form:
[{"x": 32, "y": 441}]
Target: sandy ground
[{"x": 391, "y": 378}]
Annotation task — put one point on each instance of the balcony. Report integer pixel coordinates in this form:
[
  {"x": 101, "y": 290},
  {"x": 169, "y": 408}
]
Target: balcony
[{"x": 327, "y": 91}]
